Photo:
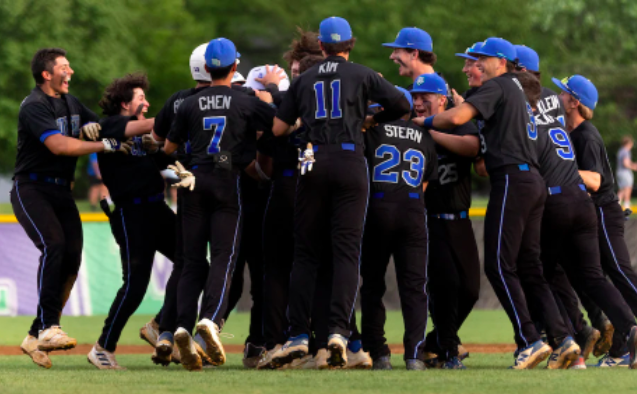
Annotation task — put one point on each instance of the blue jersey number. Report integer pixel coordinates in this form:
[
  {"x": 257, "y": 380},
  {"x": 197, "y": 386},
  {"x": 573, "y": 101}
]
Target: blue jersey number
[
  {"x": 564, "y": 148},
  {"x": 531, "y": 127},
  {"x": 219, "y": 125},
  {"x": 319, "y": 90},
  {"x": 382, "y": 171}
]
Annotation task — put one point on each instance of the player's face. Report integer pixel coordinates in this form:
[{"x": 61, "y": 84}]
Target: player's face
[
  {"x": 473, "y": 73},
  {"x": 138, "y": 105},
  {"x": 61, "y": 75},
  {"x": 569, "y": 103},
  {"x": 427, "y": 104},
  {"x": 403, "y": 58},
  {"x": 489, "y": 67},
  {"x": 295, "y": 69}
]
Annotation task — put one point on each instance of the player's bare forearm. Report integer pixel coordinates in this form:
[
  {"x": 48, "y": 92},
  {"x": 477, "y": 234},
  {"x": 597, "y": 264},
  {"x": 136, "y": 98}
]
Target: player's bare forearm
[
  {"x": 280, "y": 128},
  {"x": 463, "y": 145},
  {"x": 591, "y": 179},
  {"x": 139, "y": 127},
  {"x": 481, "y": 168},
  {"x": 170, "y": 147},
  {"x": 252, "y": 171},
  {"x": 67, "y": 146},
  {"x": 454, "y": 117},
  {"x": 424, "y": 186}
]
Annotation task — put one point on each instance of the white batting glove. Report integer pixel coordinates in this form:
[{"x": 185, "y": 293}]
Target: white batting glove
[
  {"x": 90, "y": 131},
  {"x": 187, "y": 177},
  {"x": 112, "y": 145},
  {"x": 306, "y": 159}
]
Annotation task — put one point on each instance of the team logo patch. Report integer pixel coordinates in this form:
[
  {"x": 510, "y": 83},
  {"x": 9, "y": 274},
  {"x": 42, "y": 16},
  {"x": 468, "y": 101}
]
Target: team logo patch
[
  {"x": 196, "y": 69},
  {"x": 335, "y": 37},
  {"x": 420, "y": 80},
  {"x": 216, "y": 62}
]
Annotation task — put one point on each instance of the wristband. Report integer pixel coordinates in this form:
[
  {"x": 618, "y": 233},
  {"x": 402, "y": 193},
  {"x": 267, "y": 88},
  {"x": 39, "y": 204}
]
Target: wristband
[
  {"x": 262, "y": 174},
  {"x": 429, "y": 122},
  {"x": 272, "y": 105}
]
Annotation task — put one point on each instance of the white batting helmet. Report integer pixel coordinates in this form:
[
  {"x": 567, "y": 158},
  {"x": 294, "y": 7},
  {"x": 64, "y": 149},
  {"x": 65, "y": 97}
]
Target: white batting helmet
[{"x": 198, "y": 63}]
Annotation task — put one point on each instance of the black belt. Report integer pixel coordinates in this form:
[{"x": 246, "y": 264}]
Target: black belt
[
  {"x": 558, "y": 189},
  {"x": 48, "y": 179}
]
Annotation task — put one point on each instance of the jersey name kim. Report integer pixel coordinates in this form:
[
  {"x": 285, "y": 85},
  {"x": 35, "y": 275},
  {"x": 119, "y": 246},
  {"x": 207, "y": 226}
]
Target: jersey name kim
[
  {"x": 405, "y": 133},
  {"x": 220, "y": 101}
]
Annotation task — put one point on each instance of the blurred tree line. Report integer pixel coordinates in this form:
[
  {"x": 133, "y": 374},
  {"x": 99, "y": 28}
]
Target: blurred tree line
[{"x": 104, "y": 40}]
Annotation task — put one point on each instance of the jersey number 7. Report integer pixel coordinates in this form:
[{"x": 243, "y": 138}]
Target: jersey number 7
[
  {"x": 219, "y": 125},
  {"x": 319, "y": 91}
]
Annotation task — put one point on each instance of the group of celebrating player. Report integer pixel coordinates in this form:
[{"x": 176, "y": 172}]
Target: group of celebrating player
[{"x": 317, "y": 187}]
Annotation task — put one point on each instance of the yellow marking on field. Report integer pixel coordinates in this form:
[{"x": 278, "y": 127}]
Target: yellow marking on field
[{"x": 85, "y": 217}]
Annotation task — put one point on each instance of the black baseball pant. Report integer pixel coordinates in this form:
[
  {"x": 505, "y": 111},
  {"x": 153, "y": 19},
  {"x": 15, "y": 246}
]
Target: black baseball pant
[
  {"x": 335, "y": 191},
  {"x": 140, "y": 230},
  {"x": 454, "y": 281},
  {"x": 396, "y": 225},
  {"x": 48, "y": 214},
  {"x": 278, "y": 255},
  {"x": 212, "y": 216},
  {"x": 512, "y": 251},
  {"x": 255, "y": 198},
  {"x": 570, "y": 238}
]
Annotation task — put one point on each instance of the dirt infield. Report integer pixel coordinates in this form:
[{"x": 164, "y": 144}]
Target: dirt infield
[{"x": 146, "y": 349}]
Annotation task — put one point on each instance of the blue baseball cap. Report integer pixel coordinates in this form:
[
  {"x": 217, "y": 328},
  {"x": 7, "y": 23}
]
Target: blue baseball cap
[
  {"x": 407, "y": 96},
  {"x": 497, "y": 47},
  {"x": 221, "y": 52},
  {"x": 334, "y": 30},
  {"x": 527, "y": 58},
  {"x": 430, "y": 83},
  {"x": 468, "y": 54},
  {"x": 580, "y": 88},
  {"x": 414, "y": 38}
]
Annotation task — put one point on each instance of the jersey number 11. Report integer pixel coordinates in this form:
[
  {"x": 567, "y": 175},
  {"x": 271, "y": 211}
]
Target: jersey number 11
[{"x": 319, "y": 90}]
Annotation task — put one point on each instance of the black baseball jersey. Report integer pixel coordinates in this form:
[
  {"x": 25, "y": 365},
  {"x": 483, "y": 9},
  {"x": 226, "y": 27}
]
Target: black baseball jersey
[
  {"x": 555, "y": 153},
  {"x": 332, "y": 97},
  {"x": 284, "y": 149},
  {"x": 401, "y": 157},
  {"x": 509, "y": 128},
  {"x": 591, "y": 156},
  {"x": 127, "y": 176},
  {"x": 41, "y": 116},
  {"x": 551, "y": 105},
  {"x": 221, "y": 124},
  {"x": 451, "y": 192}
]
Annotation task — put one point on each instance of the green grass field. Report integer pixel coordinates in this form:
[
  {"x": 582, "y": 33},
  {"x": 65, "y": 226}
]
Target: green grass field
[{"x": 487, "y": 373}]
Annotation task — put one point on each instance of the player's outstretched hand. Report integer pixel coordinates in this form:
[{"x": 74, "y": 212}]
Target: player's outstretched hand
[
  {"x": 90, "y": 131},
  {"x": 149, "y": 143},
  {"x": 187, "y": 177},
  {"x": 458, "y": 99},
  {"x": 273, "y": 74},
  {"x": 369, "y": 122},
  {"x": 420, "y": 121},
  {"x": 111, "y": 145}
]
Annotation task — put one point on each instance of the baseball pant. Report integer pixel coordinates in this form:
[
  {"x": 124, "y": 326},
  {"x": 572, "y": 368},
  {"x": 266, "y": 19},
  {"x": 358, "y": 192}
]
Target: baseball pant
[
  {"x": 396, "y": 225},
  {"x": 512, "y": 251},
  {"x": 140, "y": 230},
  {"x": 454, "y": 281},
  {"x": 212, "y": 217},
  {"x": 336, "y": 190},
  {"x": 48, "y": 214}
]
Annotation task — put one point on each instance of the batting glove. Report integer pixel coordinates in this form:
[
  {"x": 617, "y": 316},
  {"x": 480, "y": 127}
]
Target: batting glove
[
  {"x": 187, "y": 177},
  {"x": 306, "y": 159},
  {"x": 90, "y": 131},
  {"x": 112, "y": 145}
]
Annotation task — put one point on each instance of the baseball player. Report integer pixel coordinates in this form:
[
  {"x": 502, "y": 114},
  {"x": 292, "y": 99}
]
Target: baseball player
[
  {"x": 454, "y": 266},
  {"x": 331, "y": 99},
  {"x": 514, "y": 213},
  {"x": 306, "y": 44},
  {"x": 142, "y": 223},
  {"x": 403, "y": 161},
  {"x": 49, "y": 132},
  {"x": 221, "y": 125},
  {"x": 579, "y": 98}
]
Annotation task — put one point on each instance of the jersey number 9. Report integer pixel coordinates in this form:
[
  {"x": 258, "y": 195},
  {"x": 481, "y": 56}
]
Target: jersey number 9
[{"x": 564, "y": 148}]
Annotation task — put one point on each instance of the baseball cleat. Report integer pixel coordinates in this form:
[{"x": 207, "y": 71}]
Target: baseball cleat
[
  {"x": 53, "y": 338},
  {"x": 301, "y": 363},
  {"x": 632, "y": 347},
  {"x": 30, "y": 347},
  {"x": 200, "y": 346},
  {"x": 415, "y": 365},
  {"x": 337, "y": 346},
  {"x": 431, "y": 360},
  {"x": 209, "y": 332},
  {"x": 319, "y": 361},
  {"x": 266, "y": 359},
  {"x": 565, "y": 354},
  {"x": 295, "y": 347},
  {"x": 150, "y": 332},
  {"x": 462, "y": 352},
  {"x": 103, "y": 359},
  {"x": 358, "y": 360},
  {"x": 382, "y": 363},
  {"x": 532, "y": 355},
  {"x": 579, "y": 364},
  {"x": 453, "y": 363},
  {"x": 251, "y": 355},
  {"x": 164, "y": 349},
  {"x": 587, "y": 341},
  {"x": 189, "y": 357},
  {"x": 612, "y": 362},
  {"x": 604, "y": 344}
]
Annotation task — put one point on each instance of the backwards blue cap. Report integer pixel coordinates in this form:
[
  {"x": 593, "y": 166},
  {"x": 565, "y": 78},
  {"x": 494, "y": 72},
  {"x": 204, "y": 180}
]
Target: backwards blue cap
[
  {"x": 430, "y": 83},
  {"x": 527, "y": 58},
  {"x": 497, "y": 47},
  {"x": 407, "y": 96},
  {"x": 468, "y": 54},
  {"x": 334, "y": 30},
  {"x": 414, "y": 38},
  {"x": 221, "y": 52},
  {"x": 580, "y": 88}
]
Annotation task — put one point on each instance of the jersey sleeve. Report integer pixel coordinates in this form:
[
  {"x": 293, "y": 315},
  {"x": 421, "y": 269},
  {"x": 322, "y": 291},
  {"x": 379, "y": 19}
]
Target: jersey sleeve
[
  {"x": 431, "y": 160},
  {"x": 164, "y": 118},
  {"x": 288, "y": 110},
  {"x": 382, "y": 91},
  {"x": 178, "y": 133},
  {"x": 39, "y": 121},
  {"x": 591, "y": 157},
  {"x": 87, "y": 116},
  {"x": 114, "y": 127},
  {"x": 486, "y": 99},
  {"x": 262, "y": 116},
  {"x": 266, "y": 145}
]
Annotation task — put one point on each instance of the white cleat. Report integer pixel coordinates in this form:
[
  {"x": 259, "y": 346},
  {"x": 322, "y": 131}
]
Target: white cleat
[
  {"x": 103, "y": 359},
  {"x": 209, "y": 332}
]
